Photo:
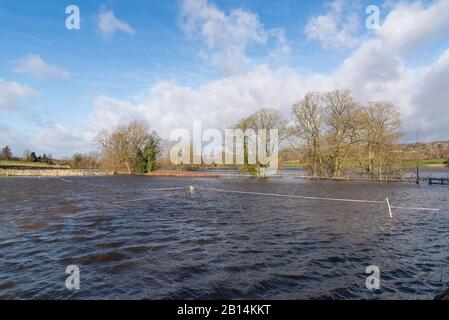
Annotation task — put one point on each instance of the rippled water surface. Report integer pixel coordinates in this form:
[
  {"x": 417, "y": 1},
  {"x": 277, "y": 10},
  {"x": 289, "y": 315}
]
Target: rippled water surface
[{"x": 132, "y": 242}]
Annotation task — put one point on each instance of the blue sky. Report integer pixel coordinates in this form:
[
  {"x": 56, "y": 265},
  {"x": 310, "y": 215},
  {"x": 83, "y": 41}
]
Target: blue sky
[{"x": 171, "y": 62}]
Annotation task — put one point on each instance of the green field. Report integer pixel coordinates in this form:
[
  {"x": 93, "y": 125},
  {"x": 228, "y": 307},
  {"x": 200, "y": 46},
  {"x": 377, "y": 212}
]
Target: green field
[
  {"x": 20, "y": 165},
  {"x": 433, "y": 163},
  {"x": 292, "y": 164}
]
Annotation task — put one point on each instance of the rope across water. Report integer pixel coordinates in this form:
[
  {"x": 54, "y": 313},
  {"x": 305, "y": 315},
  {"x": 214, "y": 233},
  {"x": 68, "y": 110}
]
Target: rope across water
[
  {"x": 315, "y": 198},
  {"x": 192, "y": 188}
]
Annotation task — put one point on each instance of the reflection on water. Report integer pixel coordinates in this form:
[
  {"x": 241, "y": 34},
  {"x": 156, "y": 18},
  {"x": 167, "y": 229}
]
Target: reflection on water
[{"x": 219, "y": 245}]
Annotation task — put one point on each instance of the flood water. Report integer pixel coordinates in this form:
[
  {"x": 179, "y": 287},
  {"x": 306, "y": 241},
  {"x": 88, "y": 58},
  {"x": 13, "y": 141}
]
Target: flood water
[{"x": 131, "y": 243}]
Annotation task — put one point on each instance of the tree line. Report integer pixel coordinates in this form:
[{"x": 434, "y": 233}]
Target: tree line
[
  {"x": 336, "y": 135},
  {"x": 28, "y": 156}
]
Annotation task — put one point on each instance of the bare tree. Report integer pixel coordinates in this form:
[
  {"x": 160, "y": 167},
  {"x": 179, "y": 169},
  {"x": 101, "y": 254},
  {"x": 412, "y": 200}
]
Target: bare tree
[
  {"x": 308, "y": 127},
  {"x": 337, "y": 133},
  {"x": 381, "y": 129},
  {"x": 26, "y": 155},
  {"x": 342, "y": 124},
  {"x": 84, "y": 161},
  {"x": 266, "y": 119},
  {"x": 121, "y": 146}
]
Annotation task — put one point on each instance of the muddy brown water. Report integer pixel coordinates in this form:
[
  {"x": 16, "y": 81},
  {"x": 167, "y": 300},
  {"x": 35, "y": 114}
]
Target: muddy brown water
[{"x": 204, "y": 244}]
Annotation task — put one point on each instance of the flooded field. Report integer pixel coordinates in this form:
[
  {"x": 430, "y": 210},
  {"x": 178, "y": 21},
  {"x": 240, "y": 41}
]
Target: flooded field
[{"x": 133, "y": 242}]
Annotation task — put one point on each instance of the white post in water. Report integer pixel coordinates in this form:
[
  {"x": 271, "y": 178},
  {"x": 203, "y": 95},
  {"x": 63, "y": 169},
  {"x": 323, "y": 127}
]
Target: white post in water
[{"x": 389, "y": 208}]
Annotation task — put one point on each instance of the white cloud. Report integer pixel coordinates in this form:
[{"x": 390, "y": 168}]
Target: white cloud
[
  {"x": 373, "y": 72},
  {"x": 110, "y": 112},
  {"x": 336, "y": 28},
  {"x": 226, "y": 37},
  {"x": 4, "y": 128},
  {"x": 431, "y": 100},
  {"x": 409, "y": 25},
  {"x": 108, "y": 24},
  {"x": 59, "y": 141},
  {"x": 377, "y": 69},
  {"x": 15, "y": 139},
  {"x": 13, "y": 94},
  {"x": 282, "y": 48},
  {"x": 218, "y": 104},
  {"x": 34, "y": 65}
]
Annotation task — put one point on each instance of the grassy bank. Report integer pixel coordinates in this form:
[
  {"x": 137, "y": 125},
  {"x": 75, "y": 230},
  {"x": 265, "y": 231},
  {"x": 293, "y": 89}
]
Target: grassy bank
[
  {"x": 435, "y": 163},
  {"x": 23, "y": 165},
  {"x": 52, "y": 172},
  {"x": 294, "y": 164}
]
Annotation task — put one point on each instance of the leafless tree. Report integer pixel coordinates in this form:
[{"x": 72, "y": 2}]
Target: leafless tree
[
  {"x": 381, "y": 129},
  {"x": 26, "y": 155},
  {"x": 337, "y": 133},
  {"x": 342, "y": 126},
  {"x": 266, "y": 119},
  {"x": 308, "y": 128},
  {"x": 121, "y": 147}
]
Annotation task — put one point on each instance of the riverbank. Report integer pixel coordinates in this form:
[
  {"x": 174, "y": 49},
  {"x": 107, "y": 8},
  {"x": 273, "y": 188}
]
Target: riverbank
[
  {"x": 422, "y": 164},
  {"x": 52, "y": 173},
  {"x": 348, "y": 178},
  {"x": 435, "y": 163}
]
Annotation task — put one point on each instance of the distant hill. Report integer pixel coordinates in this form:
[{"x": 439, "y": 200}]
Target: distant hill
[{"x": 429, "y": 150}]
